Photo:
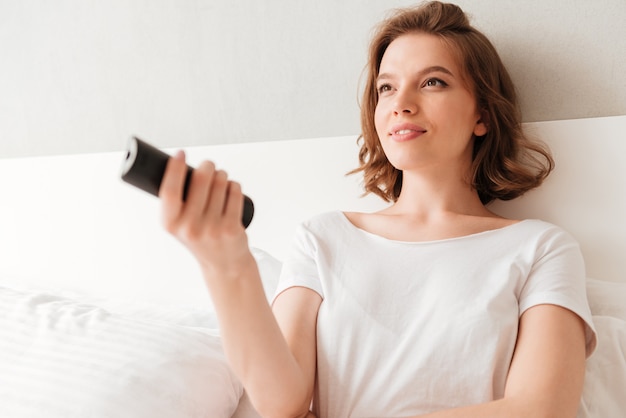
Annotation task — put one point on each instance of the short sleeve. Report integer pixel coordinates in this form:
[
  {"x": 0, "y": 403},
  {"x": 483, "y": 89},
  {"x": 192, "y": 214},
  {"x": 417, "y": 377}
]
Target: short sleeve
[
  {"x": 558, "y": 278},
  {"x": 300, "y": 269}
]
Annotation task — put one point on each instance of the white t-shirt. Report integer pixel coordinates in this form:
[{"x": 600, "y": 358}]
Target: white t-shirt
[{"x": 406, "y": 328}]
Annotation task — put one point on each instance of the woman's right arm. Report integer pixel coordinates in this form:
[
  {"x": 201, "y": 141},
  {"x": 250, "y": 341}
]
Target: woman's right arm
[{"x": 273, "y": 353}]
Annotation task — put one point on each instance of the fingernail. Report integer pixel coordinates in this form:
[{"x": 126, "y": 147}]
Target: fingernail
[{"x": 180, "y": 155}]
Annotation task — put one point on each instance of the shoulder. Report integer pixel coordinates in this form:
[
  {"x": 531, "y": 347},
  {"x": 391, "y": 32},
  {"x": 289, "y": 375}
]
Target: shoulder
[
  {"x": 540, "y": 242},
  {"x": 543, "y": 232},
  {"x": 320, "y": 229},
  {"x": 536, "y": 230},
  {"x": 327, "y": 221}
]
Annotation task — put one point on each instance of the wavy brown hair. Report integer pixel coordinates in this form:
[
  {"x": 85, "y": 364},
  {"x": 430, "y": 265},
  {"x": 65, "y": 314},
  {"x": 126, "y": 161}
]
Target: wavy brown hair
[{"x": 506, "y": 163}]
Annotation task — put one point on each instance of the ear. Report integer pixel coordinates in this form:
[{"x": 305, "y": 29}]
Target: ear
[{"x": 482, "y": 124}]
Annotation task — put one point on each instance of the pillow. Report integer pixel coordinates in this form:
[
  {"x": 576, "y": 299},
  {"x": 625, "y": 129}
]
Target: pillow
[
  {"x": 269, "y": 267},
  {"x": 604, "y": 392},
  {"x": 607, "y": 298},
  {"x": 60, "y": 358},
  {"x": 173, "y": 312}
]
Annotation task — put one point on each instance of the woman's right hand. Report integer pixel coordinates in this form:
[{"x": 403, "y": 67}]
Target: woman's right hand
[{"x": 208, "y": 222}]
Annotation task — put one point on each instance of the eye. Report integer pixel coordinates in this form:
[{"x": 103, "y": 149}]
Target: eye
[
  {"x": 435, "y": 82},
  {"x": 383, "y": 88}
]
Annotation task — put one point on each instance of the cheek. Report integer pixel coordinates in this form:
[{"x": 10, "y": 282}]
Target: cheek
[
  {"x": 379, "y": 121},
  {"x": 465, "y": 115}
]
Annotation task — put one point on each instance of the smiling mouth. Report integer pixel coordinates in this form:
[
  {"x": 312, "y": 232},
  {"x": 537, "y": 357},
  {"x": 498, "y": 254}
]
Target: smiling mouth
[{"x": 407, "y": 131}]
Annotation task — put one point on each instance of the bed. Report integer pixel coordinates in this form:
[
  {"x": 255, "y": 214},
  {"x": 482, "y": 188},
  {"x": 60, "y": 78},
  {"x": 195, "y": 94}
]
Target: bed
[{"x": 102, "y": 314}]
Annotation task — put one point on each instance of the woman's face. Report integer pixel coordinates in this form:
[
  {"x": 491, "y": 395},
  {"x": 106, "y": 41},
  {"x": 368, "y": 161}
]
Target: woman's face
[{"x": 426, "y": 116}]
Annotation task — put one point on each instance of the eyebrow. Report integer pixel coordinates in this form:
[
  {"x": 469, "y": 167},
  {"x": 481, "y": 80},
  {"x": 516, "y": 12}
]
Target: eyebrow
[{"x": 421, "y": 73}]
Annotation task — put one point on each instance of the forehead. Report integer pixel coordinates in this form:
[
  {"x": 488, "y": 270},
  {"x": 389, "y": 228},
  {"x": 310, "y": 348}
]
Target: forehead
[{"x": 416, "y": 51}]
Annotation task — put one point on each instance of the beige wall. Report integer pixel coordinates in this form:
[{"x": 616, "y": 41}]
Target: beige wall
[{"x": 82, "y": 76}]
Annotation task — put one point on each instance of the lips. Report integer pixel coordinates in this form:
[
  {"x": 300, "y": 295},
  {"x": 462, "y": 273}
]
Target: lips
[{"x": 406, "y": 131}]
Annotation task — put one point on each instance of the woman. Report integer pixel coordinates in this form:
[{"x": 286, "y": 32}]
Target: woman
[{"x": 434, "y": 306}]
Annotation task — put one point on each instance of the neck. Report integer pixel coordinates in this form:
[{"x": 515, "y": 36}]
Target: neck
[{"x": 437, "y": 194}]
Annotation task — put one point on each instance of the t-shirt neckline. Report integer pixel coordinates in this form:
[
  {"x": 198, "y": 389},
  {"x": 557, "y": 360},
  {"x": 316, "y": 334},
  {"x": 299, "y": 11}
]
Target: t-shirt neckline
[{"x": 347, "y": 221}]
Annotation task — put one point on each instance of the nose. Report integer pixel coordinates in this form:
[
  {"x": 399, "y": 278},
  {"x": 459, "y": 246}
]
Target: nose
[{"x": 404, "y": 103}]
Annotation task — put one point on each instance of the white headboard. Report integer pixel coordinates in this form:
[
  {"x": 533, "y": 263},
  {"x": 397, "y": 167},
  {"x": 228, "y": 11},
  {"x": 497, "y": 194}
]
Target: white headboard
[
  {"x": 586, "y": 194},
  {"x": 70, "y": 221}
]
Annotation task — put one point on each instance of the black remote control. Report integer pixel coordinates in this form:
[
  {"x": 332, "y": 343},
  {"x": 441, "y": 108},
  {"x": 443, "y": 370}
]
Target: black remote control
[{"x": 144, "y": 167}]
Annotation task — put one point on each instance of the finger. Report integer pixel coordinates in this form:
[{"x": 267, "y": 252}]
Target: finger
[
  {"x": 233, "y": 209},
  {"x": 215, "y": 206},
  {"x": 173, "y": 177},
  {"x": 171, "y": 189},
  {"x": 199, "y": 190}
]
